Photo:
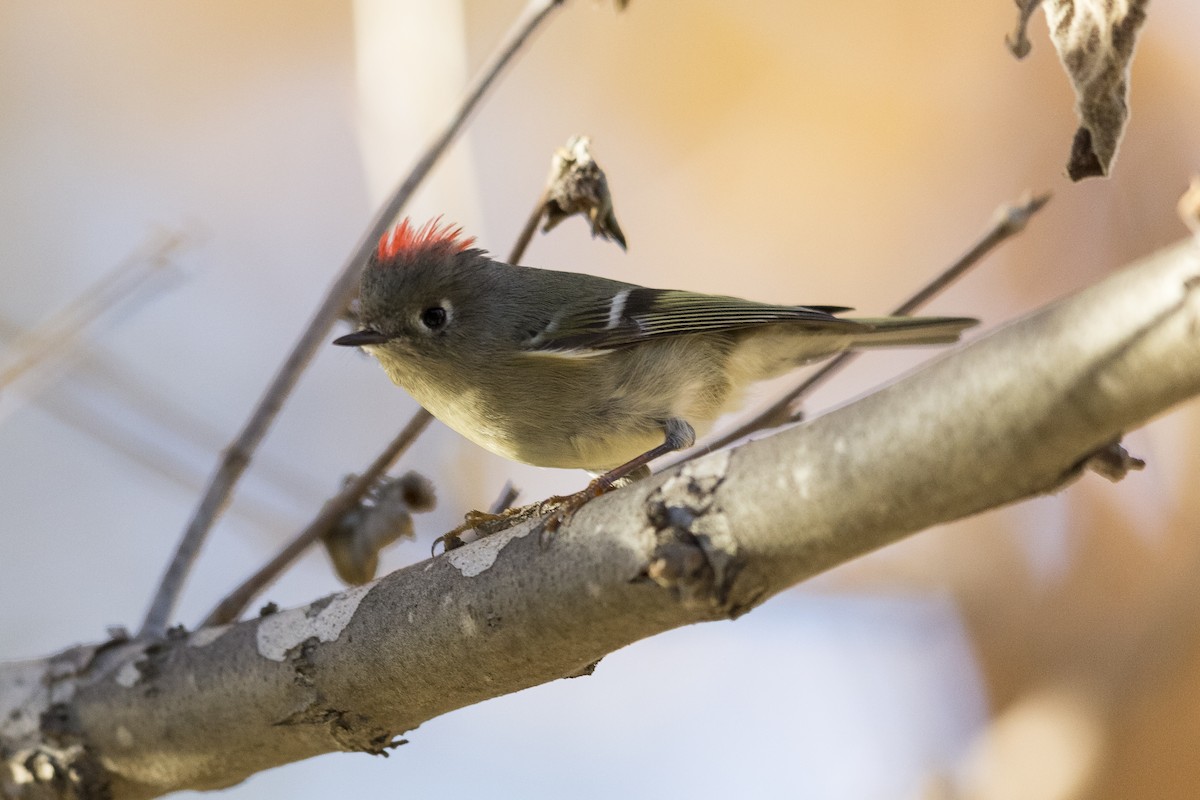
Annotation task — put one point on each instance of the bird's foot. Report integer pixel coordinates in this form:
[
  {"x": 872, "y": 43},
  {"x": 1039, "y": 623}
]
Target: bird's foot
[
  {"x": 555, "y": 512},
  {"x": 484, "y": 523},
  {"x": 559, "y": 509}
]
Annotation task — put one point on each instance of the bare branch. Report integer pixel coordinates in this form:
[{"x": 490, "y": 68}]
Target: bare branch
[
  {"x": 527, "y": 231},
  {"x": 237, "y": 456},
  {"x": 330, "y": 516},
  {"x": 1012, "y": 415},
  {"x": 1009, "y": 220},
  {"x": 508, "y": 495},
  {"x": 63, "y": 330}
]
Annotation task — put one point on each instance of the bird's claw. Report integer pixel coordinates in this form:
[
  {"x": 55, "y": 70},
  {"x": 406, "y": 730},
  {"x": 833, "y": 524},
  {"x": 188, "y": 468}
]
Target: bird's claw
[
  {"x": 554, "y": 512},
  {"x": 484, "y": 523},
  {"x": 559, "y": 509}
]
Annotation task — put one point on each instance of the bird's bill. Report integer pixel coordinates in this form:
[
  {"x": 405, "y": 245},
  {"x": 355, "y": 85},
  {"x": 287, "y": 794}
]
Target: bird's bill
[{"x": 361, "y": 338}]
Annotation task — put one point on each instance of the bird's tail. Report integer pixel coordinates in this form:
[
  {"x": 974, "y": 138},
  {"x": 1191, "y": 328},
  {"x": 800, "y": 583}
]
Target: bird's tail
[{"x": 900, "y": 331}]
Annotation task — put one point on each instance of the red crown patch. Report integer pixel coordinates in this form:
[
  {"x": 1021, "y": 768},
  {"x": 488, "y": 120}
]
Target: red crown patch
[{"x": 404, "y": 239}]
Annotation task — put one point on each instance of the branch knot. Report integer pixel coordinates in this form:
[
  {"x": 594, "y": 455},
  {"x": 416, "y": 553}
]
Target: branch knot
[{"x": 695, "y": 553}]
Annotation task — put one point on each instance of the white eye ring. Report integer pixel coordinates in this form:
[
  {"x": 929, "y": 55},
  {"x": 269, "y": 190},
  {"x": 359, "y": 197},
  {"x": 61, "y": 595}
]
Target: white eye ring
[{"x": 436, "y": 318}]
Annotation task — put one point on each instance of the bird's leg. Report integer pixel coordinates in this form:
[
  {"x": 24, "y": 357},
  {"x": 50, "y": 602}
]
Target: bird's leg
[{"x": 679, "y": 436}]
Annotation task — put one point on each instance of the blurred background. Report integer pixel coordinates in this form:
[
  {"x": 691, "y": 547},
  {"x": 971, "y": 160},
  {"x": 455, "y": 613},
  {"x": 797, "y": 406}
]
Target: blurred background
[{"x": 182, "y": 180}]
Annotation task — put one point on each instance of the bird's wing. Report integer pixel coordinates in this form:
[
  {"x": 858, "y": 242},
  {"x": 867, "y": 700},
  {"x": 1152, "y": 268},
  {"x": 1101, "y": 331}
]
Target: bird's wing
[{"x": 637, "y": 314}]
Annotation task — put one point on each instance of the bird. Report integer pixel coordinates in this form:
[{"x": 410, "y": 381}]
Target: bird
[{"x": 569, "y": 370}]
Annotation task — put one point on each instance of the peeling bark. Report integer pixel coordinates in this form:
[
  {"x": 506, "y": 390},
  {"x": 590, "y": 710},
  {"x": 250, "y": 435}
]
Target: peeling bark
[{"x": 1017, "y": 413}]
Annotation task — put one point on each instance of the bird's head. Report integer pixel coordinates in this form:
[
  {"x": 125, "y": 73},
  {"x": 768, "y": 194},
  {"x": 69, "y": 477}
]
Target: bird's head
[{"x": 419, "y": 291}]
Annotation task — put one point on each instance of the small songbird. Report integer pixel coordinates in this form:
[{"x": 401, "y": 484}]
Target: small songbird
[{"x": 559, "y": 369}]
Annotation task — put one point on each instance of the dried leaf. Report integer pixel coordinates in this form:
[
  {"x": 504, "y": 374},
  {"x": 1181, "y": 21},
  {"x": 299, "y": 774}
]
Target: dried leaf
[
  {"x": 1095, "y": 40},
  {"x": 578, "y": 186},
  {"x": 381, "y": 518}
]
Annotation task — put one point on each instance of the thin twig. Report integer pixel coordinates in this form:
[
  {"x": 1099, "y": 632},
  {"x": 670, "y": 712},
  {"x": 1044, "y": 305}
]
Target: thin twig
[
  {"x": 65, "y": 329},
  {"x": 1009, "y": 221},
  {"x": 522, "y": 243},
  {"x": 508, "y": 496},
  {"x": 238, "y": 455},
  {"x": 530, "y": 228},
  {"x": 232, "y": 606}
]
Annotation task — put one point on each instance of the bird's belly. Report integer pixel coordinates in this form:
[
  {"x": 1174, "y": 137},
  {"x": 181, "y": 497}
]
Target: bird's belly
[
  {"x": 579, "y": 415},
  {"x": 481, "y": 422},
  {"x": 535, "y": 432}
]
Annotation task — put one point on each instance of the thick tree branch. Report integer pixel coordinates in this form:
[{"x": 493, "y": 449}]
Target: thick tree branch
[{"x": 1014, "y": 414}]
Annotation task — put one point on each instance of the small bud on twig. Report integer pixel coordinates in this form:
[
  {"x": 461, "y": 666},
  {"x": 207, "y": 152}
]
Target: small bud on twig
[
  {"x": 1189, "y": 206},
  {"x": 1113, "y": 462}
]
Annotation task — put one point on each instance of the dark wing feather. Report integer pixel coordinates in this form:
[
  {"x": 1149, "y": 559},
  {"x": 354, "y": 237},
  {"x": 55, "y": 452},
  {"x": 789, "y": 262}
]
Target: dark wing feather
[{"x": 638, "y": 314}]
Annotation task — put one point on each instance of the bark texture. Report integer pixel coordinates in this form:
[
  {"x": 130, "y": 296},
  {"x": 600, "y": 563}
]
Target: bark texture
[{"x": 1017, "y": 413}]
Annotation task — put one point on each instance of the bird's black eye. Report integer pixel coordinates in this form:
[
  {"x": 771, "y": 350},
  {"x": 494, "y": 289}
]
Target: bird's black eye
[{"x": 433, "y": 318}]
